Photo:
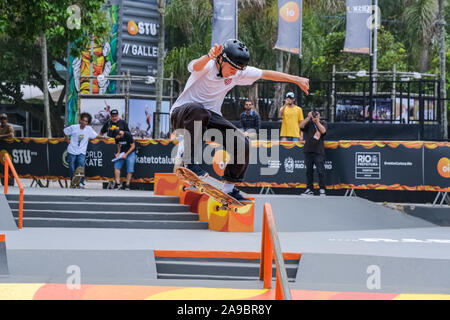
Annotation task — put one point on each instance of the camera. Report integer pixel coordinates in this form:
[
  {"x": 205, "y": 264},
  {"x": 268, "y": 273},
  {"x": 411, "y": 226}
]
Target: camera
[{"x": 314, "y": 113}]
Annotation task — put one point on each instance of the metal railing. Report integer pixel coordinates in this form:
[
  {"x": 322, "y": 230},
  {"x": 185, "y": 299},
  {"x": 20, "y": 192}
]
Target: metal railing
[
  {"x": 271, "y": 248},
  {"x": 9, "y": 165}
]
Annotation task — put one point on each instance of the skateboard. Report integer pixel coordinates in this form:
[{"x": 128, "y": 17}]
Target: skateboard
[
  {"x": 197, "y": 184},
  {"x": 77, "y": 176}
]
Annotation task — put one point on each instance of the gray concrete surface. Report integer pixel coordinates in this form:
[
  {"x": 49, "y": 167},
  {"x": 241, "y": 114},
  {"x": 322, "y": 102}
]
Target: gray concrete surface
[{"x": 338, "y": 237}]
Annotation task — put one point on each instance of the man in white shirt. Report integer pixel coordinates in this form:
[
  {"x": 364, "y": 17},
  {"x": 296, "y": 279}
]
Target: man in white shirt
[
  {"x": 79, "y": 139},
  {"x": 212, "y": 76}
]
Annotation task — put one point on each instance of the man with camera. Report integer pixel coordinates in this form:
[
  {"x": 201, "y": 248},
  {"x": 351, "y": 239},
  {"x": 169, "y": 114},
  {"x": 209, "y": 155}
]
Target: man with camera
[{"x": 314, "y": 131}]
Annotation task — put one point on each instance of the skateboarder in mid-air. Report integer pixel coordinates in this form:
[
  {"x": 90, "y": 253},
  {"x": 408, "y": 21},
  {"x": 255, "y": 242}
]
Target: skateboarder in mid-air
[{"x": 212, "y": 76}]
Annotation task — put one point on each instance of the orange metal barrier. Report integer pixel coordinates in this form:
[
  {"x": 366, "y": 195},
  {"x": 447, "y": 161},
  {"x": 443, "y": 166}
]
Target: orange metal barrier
[
  {"x": 270, "y": 247},
  {"x": 9, "y": 165}
]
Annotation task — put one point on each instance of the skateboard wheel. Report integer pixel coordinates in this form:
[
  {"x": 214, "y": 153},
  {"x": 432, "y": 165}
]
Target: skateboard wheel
[{"x": 201, "y": 190}]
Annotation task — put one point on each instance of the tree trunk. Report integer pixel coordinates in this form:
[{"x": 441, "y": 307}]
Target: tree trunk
[
  {"x": 278, "y": 98},
  {"x": 442, "y": 62},
  {"x": 279, "y": 87},
  {"x": 424, "y": 64},
  {"x": 48, "y": 127},
  {"x": 159, "y": 81},
  {"x": 253, "y": 96}
]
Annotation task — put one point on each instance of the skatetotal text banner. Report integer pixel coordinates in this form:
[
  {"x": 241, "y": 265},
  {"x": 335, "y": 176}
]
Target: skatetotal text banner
[{"x": 383, "y": 165}]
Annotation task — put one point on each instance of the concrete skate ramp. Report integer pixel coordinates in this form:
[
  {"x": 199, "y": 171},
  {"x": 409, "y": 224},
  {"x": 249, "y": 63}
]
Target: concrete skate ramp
[
  {"x": 361, "y": 273},
  {"x": 306, "y": 214},
  {"x": 57, "y": 266},
  {"x": 6, "y": 217},
  {"x": 3, "y": 260}
]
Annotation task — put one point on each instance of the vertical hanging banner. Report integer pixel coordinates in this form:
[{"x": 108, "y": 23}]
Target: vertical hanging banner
[
  {"x": 138, "y": 42},
  {"x": 358, "y": 31},
  {"x": 290, "y": 26},
  {"x": 224, "y": 23}
]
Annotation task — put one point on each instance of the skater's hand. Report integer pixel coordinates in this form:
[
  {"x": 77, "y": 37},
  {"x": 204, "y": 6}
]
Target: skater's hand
[
  {"x": 303, "y": 83},
  {"x": 116, "y": 155},
  {"x": 124, "y": 156},
  {"x": 215, "y": 51}
]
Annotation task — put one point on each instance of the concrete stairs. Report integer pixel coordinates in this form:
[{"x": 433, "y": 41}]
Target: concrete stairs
[{"x": 115, "y": 211}]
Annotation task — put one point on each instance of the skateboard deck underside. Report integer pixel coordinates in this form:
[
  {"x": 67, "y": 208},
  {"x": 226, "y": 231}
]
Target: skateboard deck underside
[{"x": 191, "y": 178}]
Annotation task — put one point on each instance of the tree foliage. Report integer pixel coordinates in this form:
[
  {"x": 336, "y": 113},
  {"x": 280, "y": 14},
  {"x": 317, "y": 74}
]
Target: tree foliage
[{"x": 21, "y": 23}]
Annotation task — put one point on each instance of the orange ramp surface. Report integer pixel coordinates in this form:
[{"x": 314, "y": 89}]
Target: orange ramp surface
[{"x": 42, "y": 291}]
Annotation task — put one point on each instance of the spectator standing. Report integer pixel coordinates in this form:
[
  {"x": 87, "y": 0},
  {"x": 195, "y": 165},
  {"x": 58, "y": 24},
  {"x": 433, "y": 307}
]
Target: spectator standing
[
  {"x": 314, "y": 131},
  {"x": 250, "y": 121},
  {"x": 6, "y": 129},
  {"x": 114, "y": 123},
  {"x": 126, "y": 153},
  {"x": 292, "y": 115},
  {"x": 79, "y": 139}
]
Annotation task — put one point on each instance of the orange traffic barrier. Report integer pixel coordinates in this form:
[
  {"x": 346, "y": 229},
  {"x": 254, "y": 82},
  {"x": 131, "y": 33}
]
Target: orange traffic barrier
[
  {"x": 270, "y": 248},
  {"x": 9, "y": 165}
]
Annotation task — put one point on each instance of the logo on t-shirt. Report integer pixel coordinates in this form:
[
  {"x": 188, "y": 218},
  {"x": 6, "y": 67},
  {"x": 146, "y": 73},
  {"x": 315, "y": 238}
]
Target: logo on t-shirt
[{"x": 228, "y": 81}]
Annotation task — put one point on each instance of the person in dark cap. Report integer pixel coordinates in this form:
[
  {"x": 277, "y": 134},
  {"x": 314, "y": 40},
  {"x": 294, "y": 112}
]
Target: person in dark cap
[
  {"x": 126, "y": 154},
  {"x": 114, "y": 123},
  {"x": 6, "y": 129}
]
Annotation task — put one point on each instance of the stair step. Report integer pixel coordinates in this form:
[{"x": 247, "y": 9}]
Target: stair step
[
  {"x": 120, "y": 224},
  {"x": 204, "y": 277},
  {"x": 90, "y": 198},
  {"x": 217, "y": 268},
  {"x": 102, "y": 206},
  {"x": 169, "y": 216}
]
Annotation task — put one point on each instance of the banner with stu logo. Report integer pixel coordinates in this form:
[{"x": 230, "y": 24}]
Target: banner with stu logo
[
  {"x": 29, "y": 156},
  {"x": 382, "y": 165}
]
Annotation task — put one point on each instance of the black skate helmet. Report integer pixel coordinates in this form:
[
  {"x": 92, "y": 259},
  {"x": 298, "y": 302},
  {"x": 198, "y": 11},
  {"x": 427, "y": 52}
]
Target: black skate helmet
[{"x": 236, "y": 53}]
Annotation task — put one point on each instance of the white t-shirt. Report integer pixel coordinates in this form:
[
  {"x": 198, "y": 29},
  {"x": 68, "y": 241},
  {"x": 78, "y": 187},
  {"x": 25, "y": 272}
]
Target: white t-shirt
[
  {"x": 79, "y": 138},
  {"x": 206, "y": 88}
]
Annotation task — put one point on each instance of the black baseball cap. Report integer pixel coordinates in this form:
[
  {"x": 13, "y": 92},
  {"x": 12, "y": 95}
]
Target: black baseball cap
[
  {"x": 290, "y": 95},
  {"x": 114, "y": 111}
]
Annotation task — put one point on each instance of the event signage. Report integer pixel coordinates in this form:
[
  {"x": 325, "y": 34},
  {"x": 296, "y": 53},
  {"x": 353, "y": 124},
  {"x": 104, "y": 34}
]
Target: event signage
[
  {"x": 381, "y": 165},
  {"x": 290, "y": 26},
  {"x": 224, "y": 22},
  {"x": 138, "y": 42},
  {"x": 358, "y": 32}
]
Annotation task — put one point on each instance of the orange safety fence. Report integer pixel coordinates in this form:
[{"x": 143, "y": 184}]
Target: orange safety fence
[
  {"x": 9, "y": 165},
  {"x": 270, "y": 248}
]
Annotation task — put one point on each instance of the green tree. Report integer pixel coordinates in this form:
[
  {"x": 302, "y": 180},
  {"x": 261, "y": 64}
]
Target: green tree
[
  {"x": 420, "y": 17},
  {"x": 390, "y": 53},
  {"x": 41, "y": 29},
  {"x": 189, "y": 30}
]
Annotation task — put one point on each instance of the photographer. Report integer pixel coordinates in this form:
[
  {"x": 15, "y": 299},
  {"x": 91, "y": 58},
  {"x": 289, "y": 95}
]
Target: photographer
[
  {"x": 114, "y": 123},
  {"x": 314, "y": 131}
]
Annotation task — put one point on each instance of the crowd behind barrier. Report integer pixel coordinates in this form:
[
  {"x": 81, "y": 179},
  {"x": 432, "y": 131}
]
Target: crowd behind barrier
[{"x": 382, "y": 165}]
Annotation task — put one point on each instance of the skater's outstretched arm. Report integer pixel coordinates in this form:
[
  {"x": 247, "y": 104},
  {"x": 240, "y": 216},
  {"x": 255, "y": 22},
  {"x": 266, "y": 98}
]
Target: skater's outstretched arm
[{"x": 303, "y": 83}]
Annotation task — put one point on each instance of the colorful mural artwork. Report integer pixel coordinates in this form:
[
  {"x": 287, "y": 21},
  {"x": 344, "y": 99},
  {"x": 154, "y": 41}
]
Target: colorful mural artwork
[{"x": 100, "y": 58}]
